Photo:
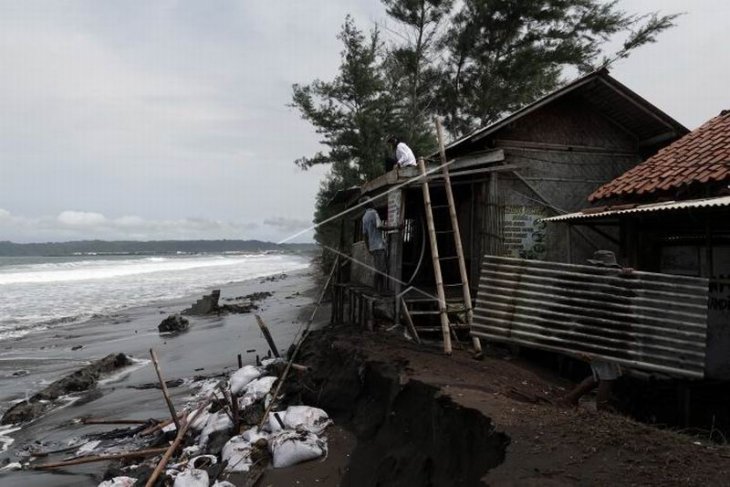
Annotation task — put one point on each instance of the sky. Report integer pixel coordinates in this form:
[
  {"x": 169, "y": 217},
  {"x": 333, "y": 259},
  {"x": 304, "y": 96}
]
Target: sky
[{"x": 168, "y": 119}]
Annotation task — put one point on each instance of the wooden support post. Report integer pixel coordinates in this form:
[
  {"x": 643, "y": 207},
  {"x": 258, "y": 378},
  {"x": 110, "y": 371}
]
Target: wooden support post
[
  {"x": 100, "y": 458},
  {"x": 457, "y": 236},
  {"x": 267, "y": 336},
  {"x": 409, "y": 321},
  {"x": 240, "y": 361},
  {"x": 445, "y": 329},
  {"x": 163, "y": 386}
]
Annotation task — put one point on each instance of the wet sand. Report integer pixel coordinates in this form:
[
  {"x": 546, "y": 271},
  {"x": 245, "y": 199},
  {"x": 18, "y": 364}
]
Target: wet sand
[{"x": 210, "y": 347}]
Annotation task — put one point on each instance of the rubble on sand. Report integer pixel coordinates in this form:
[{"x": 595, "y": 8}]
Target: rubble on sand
[{"x": 225, "y": 432}]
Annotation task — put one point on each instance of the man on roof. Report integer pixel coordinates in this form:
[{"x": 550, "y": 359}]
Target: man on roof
[{"x": 403, "y": 154}]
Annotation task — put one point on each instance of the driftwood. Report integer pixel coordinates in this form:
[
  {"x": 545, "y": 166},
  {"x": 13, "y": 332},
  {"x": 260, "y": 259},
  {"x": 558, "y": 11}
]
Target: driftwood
[
  {"x": 100, "y": 458},
  {"x": 163, "y": 386},
  {"x": 175, "y": 444},
  {"x": 267, "y": 335}
]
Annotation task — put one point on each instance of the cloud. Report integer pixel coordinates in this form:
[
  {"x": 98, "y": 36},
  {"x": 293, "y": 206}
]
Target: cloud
[
  {"x": 81, "y": 225},
  {"x": 81, "y": 218},
  {"x": 288, "y": 224}
]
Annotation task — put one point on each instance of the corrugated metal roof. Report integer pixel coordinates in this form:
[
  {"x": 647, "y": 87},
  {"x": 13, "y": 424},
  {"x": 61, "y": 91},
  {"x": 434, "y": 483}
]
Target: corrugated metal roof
[
  {"x": 701, "y": 156},
  {"x": 595, "y": 213},
  {"x": 643, "y": 320}
]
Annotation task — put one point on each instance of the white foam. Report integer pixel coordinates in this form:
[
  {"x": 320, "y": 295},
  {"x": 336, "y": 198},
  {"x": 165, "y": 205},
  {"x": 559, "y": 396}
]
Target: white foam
[
  {"x": 99, "y": 287},
  {"x": 5, "y": 439}
]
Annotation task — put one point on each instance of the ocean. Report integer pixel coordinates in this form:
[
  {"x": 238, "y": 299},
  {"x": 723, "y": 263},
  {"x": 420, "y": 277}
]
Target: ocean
[{"x": 38, "y": 293}]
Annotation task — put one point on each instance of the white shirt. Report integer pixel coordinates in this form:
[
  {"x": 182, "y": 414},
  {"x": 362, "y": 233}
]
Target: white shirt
[{"x": 404, "y": 155}]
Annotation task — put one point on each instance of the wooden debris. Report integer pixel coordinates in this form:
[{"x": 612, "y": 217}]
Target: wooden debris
[
  {"x": 267, "y": 336},
  {"x": 163, "y": 386},
  {"x": 302, "y": 339},
  {"x": 175, "y": 444},
  {"x": 100, "y": 458}
]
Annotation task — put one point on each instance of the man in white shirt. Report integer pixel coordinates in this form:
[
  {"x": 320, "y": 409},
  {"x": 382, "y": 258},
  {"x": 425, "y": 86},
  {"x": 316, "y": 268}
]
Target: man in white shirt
[{"x": 403, "y": 154}]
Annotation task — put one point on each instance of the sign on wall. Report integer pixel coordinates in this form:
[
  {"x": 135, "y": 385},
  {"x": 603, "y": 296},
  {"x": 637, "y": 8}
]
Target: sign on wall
[{"x": 524, "y": 234}]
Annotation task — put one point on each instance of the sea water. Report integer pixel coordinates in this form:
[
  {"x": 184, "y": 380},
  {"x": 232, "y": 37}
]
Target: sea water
[{"x": 37, "y": 293}]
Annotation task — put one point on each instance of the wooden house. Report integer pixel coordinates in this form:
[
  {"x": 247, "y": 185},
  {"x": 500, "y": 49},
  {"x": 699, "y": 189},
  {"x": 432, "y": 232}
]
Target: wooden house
[{"x": 507, "y": 177}]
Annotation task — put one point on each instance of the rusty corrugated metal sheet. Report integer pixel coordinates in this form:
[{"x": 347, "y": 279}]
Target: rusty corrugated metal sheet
[{"x": 648, "y": 321}]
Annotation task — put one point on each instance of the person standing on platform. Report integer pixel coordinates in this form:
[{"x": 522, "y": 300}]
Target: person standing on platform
[{"x": 373, "y": 236}]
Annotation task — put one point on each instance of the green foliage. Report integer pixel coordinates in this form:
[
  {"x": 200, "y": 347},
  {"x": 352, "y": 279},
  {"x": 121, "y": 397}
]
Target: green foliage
[{"x": 503, "y": 54}]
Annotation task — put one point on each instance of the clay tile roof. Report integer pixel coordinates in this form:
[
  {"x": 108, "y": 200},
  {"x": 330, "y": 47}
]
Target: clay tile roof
[{"x": 701, "y": 156}]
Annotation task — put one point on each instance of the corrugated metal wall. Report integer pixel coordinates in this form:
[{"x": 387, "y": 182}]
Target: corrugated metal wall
[{"x": 648, "y": 321}]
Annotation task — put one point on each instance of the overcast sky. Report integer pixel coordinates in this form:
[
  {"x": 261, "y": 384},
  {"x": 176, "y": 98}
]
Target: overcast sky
[{"x": 168, "y": 119}]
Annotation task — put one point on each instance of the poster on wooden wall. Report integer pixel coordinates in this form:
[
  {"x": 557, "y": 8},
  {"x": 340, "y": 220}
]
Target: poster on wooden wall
[{"x": 524, "y": 234}]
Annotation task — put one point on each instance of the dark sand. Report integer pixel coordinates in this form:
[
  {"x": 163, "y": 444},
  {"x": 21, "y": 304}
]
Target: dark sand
[
  {"x": 549, "y": 445},
  {"x": 209, "y": 347}
]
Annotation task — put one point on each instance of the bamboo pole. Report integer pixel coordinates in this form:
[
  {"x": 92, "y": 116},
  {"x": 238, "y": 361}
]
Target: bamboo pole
[
  {"x": 267, "y": 336},
  {"x": 409, "y": 321},
  {"x": 305, "y": 334},
  {"x": 100, "y": 458},
  {"x": 163, "y": 386},
  {"x": 175, "y": 444},
  {"x": 445, "y": 329}
]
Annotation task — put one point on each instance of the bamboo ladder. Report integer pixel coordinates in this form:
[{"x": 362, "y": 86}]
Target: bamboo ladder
[{"x": 436, "y": 259}]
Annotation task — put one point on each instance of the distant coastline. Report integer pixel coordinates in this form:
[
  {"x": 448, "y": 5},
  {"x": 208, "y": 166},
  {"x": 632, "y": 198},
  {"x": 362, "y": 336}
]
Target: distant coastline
[{"x": 152, "y": 247}]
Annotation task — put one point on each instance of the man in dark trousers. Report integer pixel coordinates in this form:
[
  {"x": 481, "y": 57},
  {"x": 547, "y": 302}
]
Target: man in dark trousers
[
  {"x": 373, "y": 236},
  {"x": 603, "y": 373}
]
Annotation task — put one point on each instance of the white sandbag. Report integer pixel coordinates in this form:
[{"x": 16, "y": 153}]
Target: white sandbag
[
  {"x": 260, "y": 387},
  {"x": 192, "y": 477},
  {"x": 200, "y": 421},
  {"x": 306, "y": 418},
  {"x": 292, "y": 447},
  {"x": 216, "y": 422},
  {"x": 272, "y": 424},
  {"x": 252, "y": 435},
  {"x": 271, "y": 361},
  {"x": 237, "y": 454},
  {"x": 240, "y": 378},
  {"x": 223, "y": 483},
  {"x": 118, "y": 482}
]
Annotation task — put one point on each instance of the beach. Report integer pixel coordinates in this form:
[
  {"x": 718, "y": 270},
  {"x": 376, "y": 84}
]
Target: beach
[{"x": 209, "y": 347}]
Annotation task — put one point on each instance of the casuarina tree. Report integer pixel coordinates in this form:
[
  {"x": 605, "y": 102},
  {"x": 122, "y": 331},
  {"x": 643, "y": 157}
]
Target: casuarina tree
[{"x": 353, "y": 115}]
